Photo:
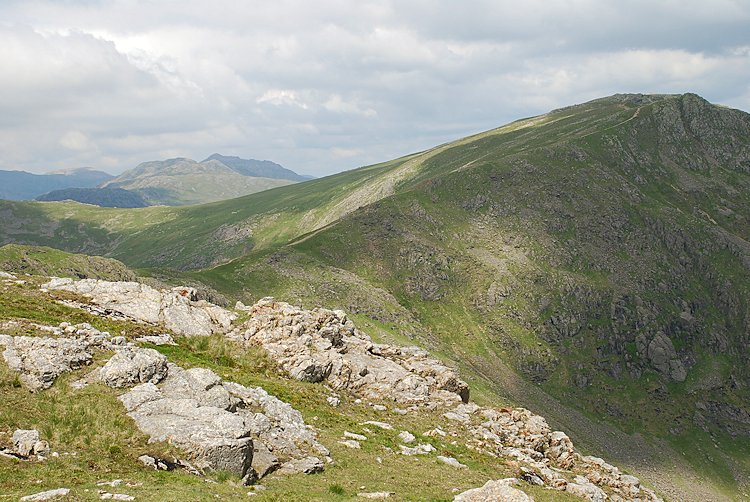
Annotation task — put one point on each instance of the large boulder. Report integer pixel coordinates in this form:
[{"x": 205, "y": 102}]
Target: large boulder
[
  {"x": 27, "y": 442},
  {"x": 662, "y": 355},
  {"x": 217, "y": 439},
  {"x": 223, "y": 425}
]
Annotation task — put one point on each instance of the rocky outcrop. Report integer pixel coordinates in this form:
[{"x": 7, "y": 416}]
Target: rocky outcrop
[
  {"x": 40, "y": 360},
  {"x": 323, "y": 345},
  {"x": 549, "y": 456},
  {"x": 221, "y": 425},
  {"x": 177, "y": 309},
  {"x": 662, "y": 355}
]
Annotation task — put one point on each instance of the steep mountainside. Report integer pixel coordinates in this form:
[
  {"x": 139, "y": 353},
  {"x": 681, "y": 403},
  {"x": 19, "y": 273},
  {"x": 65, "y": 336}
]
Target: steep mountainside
[
  {"x": 600, "y": 251},
  {"x": 184, "y": 181},
  {"x": 20, "y": 185},
  {"x": 104, "y": 197}
]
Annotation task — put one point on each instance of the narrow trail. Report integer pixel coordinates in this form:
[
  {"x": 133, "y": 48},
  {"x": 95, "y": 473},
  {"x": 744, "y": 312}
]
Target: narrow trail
[{"x": 635, "y": 115}]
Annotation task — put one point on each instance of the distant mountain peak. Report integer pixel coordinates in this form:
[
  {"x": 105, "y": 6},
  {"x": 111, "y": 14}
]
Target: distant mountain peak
[{"x": 260, "y": 168}]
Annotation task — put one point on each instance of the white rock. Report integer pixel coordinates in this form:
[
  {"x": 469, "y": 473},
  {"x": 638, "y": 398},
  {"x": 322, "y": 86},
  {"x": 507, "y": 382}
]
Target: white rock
[
  {"x": 451, "y": 461},
  {"x": 350, "y": 443},
  {"x": 134, "y": 365},
  {"x": 24, "y": 441},
  {"x": 40, "y": 360},
  {"x": 494, "y": 491},
  {"x": 421, "y": 449},
  {"x": 406, "y": 436},
  {"x": 375, "y": 495},
  {"x": 48, "y": 495},
  {"x": 115, "y": 496},
  {"x": 352, "y": 435},
  {"x": 324, "y": 345}
]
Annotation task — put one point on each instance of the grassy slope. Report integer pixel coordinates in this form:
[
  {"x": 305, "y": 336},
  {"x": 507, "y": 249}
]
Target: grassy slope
[{"x": 418, "y": 264}]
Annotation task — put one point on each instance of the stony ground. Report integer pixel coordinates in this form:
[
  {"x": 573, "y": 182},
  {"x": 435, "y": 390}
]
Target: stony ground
[{"x": 336, "y": 415}]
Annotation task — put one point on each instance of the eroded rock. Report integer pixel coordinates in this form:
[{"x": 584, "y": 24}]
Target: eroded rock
[
  {"x": 223, "y": 425},
  {"x": 132, "y": 365}
]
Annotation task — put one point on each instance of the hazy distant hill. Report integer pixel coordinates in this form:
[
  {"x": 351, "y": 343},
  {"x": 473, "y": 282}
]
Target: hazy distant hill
[
  {"x": 183, "y": 181},
  {"x": 20, "y": 185},
  {"x": 104, "y": 197},
  {"x": 259, "y": 168}
]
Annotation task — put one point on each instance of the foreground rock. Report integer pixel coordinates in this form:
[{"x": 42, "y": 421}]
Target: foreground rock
[
  {"x": 494, "y": 491},
  {"x": 131, "y": 366},
  {"x": 177, "y": 309},
  {"x": 323, "y": 345},
  {"x": 221, "y": 425},
  {"x": 40, "y": 360}
]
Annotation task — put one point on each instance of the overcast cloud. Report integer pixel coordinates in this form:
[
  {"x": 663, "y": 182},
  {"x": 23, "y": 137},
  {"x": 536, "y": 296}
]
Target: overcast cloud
[{"x": 330, "y": 85}]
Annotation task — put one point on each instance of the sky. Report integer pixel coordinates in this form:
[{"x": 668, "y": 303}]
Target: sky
[{"x": 325, "y": 86}]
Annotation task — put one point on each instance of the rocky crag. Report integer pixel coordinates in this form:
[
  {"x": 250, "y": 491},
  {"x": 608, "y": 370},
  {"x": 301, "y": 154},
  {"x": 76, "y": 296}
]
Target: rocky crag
[{"x": 246, "y": 431}]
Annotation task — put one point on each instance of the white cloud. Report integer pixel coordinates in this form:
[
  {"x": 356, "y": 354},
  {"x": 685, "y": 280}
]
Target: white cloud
[
  {"x": 333, "y": 84},
  {"x": 76, "y": 140}
]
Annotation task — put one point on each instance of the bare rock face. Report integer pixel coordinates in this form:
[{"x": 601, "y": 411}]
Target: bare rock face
[
  {"x": 501, "y": 490},
  {"x": 40, "y": 360},
  {"x": 177, "y": 309},
  {"x": 662, "y": 355},
  {"x": 323, "y": 345}
]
